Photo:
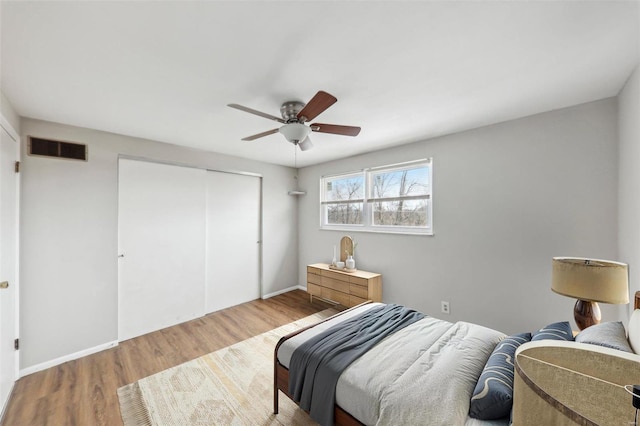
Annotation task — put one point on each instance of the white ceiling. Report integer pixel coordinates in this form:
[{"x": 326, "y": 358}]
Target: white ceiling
[{"x": 402, "y": 70}]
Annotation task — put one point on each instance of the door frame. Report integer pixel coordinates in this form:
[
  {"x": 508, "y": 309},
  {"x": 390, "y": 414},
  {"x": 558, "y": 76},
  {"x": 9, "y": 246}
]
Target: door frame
[{"x": 13, "y": 134}]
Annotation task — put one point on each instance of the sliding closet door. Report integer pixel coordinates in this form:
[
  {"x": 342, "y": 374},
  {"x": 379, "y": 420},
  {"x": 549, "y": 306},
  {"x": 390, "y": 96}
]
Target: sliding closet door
[
  {"x": 233, "y": 234},
  {"x": 162, "y": 211}
]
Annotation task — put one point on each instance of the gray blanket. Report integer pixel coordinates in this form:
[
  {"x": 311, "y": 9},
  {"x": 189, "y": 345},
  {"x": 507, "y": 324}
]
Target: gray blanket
[{"x": 317, "y": 364}]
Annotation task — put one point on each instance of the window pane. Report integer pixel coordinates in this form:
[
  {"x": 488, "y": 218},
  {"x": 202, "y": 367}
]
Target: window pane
[
  {"x": 344, "y": 214},
  {"x": 400, "y": 213},
  {"x": 344, "y": 188},
  {"x": 400, "y": 183}
]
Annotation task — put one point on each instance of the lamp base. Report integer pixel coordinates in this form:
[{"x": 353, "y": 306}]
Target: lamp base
[{"x": 586, "y": 313}]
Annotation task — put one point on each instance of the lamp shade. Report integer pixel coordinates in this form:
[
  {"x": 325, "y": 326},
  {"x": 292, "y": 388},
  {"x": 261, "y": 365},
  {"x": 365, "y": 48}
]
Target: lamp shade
[{"x": 590, "y": 279}]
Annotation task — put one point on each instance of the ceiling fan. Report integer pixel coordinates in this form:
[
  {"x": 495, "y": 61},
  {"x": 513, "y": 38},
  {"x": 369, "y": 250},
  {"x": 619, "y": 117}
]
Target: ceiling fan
[{"x": 294, "y": 116}]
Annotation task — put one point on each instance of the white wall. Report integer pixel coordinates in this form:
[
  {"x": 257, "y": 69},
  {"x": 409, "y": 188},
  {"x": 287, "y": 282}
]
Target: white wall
[
  {"x": 8, "y": 113},
  {"x": 507, "y": 198},
  {"x": 629, "y": 188},
  {"x": 69, "y": 236}
]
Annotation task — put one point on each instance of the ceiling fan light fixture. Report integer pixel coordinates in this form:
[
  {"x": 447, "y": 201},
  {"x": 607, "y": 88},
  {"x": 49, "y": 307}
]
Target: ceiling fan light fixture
[
  {"x": 305, "y": 144},
  {"x": 295, "y": 132}
]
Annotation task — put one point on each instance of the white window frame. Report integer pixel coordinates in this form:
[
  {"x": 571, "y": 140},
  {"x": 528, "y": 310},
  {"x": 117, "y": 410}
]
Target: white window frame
[{"x": 368, "y": 200}]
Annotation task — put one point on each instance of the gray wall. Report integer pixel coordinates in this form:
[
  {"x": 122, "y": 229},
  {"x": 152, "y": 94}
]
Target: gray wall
[
  {"x": 629, "y": 188},
  {"x": 507, "y": 198},
  {"x": 69, "y": 212}
]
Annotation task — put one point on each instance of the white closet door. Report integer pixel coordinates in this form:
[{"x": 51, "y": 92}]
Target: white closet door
[
  {"x": 233, "y": 234},
  {"x": 162, "y": 246}
]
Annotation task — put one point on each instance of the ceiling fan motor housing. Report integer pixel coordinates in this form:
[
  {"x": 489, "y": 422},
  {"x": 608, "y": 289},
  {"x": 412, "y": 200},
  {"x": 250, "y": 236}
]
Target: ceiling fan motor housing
[{"x": 290, "y": 110}]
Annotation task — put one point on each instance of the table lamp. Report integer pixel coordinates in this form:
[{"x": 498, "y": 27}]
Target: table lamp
[{"x": 590, "y": 281}]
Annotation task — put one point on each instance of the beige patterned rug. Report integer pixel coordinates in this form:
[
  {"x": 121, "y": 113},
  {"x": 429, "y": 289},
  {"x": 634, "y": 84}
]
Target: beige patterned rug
[{"x": 232, "y": 386}]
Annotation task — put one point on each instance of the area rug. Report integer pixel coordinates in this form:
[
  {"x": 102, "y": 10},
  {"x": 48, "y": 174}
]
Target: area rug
[{"x": 232, "y": 386}]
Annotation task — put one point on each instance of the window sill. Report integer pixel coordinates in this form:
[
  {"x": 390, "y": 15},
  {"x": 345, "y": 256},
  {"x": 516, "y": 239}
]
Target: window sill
[{"x": 426, "y": 233}]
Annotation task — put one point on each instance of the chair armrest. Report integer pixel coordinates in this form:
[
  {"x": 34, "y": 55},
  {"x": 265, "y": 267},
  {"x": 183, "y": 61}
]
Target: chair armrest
[{"x": 563, "y": 383}]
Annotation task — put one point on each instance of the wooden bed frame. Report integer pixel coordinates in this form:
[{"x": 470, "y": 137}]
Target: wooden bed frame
[{"x": 342, "y": 418}]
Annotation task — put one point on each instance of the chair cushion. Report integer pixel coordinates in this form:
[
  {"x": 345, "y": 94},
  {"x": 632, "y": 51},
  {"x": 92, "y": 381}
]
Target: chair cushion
[
  {"x": 608, "y": 334},
  {"x": 634, "y": 331}
]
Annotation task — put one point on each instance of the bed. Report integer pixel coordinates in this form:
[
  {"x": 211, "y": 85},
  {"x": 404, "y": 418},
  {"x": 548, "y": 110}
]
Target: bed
[
  {"x": 426, "y": 373},
  {"x": 427, "y": 369}
]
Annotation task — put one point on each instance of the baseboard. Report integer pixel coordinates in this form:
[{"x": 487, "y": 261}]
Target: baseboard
[
  {"x": 295, "y": 287},
  {"x": 6, "y": 404},
  {"x": 70, "y": 357}
]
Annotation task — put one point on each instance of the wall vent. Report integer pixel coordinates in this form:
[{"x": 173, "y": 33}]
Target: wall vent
[{"x": 57, "y": 149}]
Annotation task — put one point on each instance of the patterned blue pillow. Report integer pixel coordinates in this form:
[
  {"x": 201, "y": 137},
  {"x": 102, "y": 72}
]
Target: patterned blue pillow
[
  {"x": 556, "y": 331},
  {"x": 493, "y": 395}
]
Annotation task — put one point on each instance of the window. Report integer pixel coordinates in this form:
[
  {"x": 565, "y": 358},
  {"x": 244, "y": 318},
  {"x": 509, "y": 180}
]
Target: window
[{"x": 393, "y": 198}]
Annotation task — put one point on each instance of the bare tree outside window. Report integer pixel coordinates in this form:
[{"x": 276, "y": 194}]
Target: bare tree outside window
[
  {"x": 345, "y": 196},
  {"x": 387, "y": 199},
  {"x": 395, "y": 194}
]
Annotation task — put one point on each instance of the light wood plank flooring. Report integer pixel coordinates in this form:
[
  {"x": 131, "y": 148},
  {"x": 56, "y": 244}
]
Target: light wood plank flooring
[{"x": 83, "y": 392}]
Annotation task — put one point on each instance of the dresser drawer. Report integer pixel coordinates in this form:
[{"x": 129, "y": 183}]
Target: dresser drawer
[
  {"x": 355, "y": 300},
  {"x": 335, "y": 276},
  {"x": 313, "y": 270},
  {"x": 358, "y": 290},
  {"x": 314, "y": 290},
  {"x": 313, "y": 278},
  {"x": 336, "y": 296},
  {"x": 335, "y": 284},
  {"x": 359, "y": 281}
]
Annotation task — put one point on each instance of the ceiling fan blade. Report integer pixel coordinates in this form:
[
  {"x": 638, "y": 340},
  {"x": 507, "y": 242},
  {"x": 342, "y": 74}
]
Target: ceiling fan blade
[
  {"x": 336, "y": 129},
  {"x": 256, "y": 112},
  {"x": 260, "y": 135},
  {"x": 316, "y": 106}
]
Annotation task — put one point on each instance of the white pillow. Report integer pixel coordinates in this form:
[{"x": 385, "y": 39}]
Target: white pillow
[{"x": 634, "y": 331}]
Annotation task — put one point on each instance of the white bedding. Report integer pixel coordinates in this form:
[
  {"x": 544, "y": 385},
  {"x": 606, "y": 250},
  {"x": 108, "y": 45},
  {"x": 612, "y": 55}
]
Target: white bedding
[{"x": 422, "y": 374}]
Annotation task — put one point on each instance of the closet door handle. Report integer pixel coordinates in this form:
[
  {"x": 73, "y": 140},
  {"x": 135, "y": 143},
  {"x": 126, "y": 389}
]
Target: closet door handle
[
  {"x": 4, "y": 284},
  {"x": 121, "y": 255}
]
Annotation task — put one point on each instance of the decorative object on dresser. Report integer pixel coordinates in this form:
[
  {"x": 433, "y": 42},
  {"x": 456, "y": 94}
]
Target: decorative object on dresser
[
  {"x": 590, "y": 281},
  {"x": 345, "y": 288},
  {"x": 347, "y": 251}
]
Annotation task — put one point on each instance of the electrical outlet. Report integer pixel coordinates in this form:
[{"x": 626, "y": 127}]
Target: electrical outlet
[{"x": 444, "y": 307}]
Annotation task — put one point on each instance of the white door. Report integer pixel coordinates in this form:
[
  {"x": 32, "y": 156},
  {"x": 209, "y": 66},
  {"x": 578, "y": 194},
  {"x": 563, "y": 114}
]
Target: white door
[
  {"x": 233, "y": 239},
  {"x": 8, "y": 264},
  {"x": 161, "y": 237}
]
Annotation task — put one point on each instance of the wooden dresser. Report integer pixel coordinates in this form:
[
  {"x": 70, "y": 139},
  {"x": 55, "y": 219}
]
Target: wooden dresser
[{"x": 346, "y": 288}]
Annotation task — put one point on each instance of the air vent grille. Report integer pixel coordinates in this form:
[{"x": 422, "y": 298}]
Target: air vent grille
[{"x": 57, "y": 149}]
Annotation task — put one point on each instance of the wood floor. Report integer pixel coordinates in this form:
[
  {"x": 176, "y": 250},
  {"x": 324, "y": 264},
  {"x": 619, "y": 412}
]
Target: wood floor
[{"x": 83, "y": 392}]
